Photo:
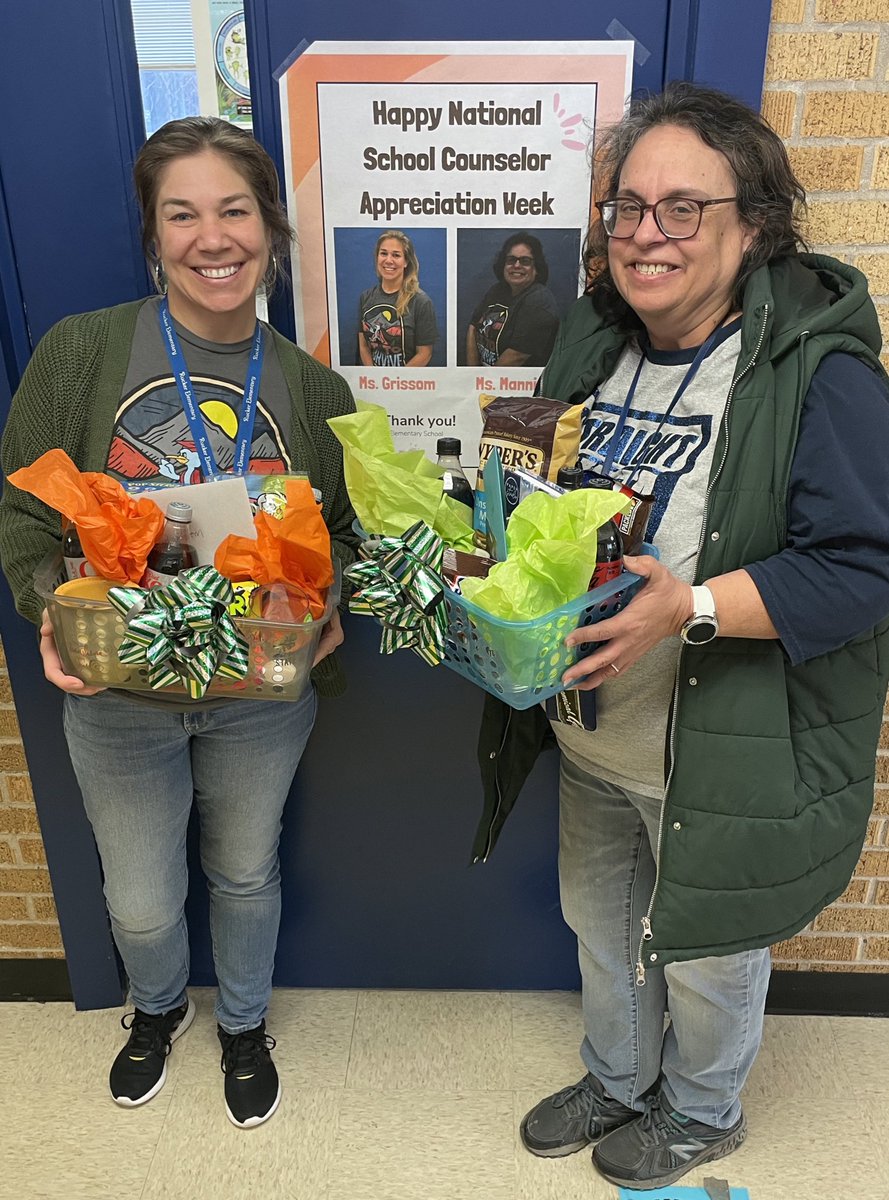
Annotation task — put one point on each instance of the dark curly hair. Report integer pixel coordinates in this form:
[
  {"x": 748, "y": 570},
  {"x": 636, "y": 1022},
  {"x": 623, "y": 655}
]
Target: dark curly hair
[
  {"x": 770, "y": 197},
  {"x": 194, "y": 135},
  {"x": 533, "y": 244}
]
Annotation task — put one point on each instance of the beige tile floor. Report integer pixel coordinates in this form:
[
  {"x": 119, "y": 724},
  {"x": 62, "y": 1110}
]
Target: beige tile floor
[{"x": 406, "y": 1096}]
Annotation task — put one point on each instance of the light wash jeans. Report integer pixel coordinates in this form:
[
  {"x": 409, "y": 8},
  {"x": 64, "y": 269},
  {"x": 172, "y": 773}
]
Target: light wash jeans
[
  {"x": 139, "y": 769},
  {"x": 716, "y": 1005}
]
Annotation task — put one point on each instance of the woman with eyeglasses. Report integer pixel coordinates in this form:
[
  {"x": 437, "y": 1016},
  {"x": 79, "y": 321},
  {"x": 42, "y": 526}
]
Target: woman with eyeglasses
[
  {"x": 723, "y": 800},
  {"x": 515, "y": 324}
]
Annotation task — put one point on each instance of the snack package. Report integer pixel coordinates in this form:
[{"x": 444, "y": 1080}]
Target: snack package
[
  {"x": 535, "y": 433},
  {"x": 518, "y": 484}
]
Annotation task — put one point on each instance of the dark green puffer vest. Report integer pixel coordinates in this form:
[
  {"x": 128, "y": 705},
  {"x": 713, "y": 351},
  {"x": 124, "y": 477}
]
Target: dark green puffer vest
[{"x": 771, "y": 767}]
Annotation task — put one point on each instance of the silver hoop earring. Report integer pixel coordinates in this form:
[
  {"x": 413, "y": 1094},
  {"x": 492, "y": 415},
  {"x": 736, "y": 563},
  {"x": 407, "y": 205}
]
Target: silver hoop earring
[
  {"x": 271, "y": 273},
  {"x": 160, "y": 278}
]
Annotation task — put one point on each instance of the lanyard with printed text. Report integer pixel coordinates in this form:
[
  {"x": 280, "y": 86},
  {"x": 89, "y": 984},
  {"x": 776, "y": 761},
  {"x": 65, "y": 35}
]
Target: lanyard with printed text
[
  {"x": 244, "y": 439},
  {"x": 638, "y": 462}
]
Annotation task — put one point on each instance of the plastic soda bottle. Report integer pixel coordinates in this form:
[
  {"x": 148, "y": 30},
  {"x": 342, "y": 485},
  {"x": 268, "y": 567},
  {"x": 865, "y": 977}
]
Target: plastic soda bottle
[{"x": 174, "y": 552}]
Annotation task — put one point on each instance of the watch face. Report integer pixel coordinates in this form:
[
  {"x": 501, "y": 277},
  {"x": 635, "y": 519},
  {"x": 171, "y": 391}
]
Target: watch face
[{"x": 700, "y": 631}]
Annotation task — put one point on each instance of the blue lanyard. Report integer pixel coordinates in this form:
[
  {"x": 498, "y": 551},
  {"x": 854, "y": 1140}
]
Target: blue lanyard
[
  {"x": 244, "y": 440},
  {"x": 614, "y": 442}
]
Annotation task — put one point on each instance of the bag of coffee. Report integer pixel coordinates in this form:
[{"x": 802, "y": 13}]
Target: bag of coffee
[{"x": 534, "y": 433}]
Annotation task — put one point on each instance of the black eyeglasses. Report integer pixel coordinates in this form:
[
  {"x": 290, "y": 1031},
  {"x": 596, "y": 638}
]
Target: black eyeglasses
[
  {"x": 518, "y": 260},
  {"x": 677, "y": 217}
]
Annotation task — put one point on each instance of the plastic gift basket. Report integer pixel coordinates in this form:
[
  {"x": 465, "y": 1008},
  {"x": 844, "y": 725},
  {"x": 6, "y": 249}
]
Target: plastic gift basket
[
  {"x": 522, "y": 662},
  {"x": 88, "y": 633}
]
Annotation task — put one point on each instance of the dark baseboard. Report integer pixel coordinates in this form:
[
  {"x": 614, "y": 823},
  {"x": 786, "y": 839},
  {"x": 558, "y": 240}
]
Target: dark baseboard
[
  {"x": 807, "y": 993},
  {"x": 34, "y": 979},
  {"x": 829, "y": 993}
]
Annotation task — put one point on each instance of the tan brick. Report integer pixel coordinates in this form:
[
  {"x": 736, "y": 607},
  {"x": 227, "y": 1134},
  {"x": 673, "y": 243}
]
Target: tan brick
[
  {"x": 882, "y": 768},
  {"x": 845, "y": 114},
  {"x": 881, "y": 168},
  {"x": 831, "y": 223},
  {"x": 800, "y": 56},
  {"x": 32, "y": 937},
  {"x": 835, "y": 966},
  {"x": 874, "y": 837},
  {"x": 5, "y": 690},
  {"x": 850, "y": 12},
  {"x": 25, "y": 881},
  {"x": 827, "y": 168},
  {"x": 881, "y": 802},
  {"x": 9, "y": 724},
  {"x": 13, "y": 908},
  {"x": 882, "y": 893},
  {"x": 31, "y": 851},
  {"x": 877, "y": 948},
  {"x": 12, "y": 758},
  {"x": 779, "y": 109},
  {"x": 19, "y": 788},
  {"x": 806, "y": 948},
  {"x": 855, "y": 893},
  {"x": 853, "y": 920},
  {"x": 7, "y": 854},
  {"x": 18, "y": 820},
  {"x": 788, "y": 12},
  {"x": 874, "y": 864},
  {"x": 876, "y": 268},
  {"x": 44, "y": 908},
  {"x": 884, "y": 730}
]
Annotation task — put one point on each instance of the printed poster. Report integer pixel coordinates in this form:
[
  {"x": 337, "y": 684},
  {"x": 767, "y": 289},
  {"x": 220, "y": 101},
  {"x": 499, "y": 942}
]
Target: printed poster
[
  {"x": 440, "y": 194},
  {"x": 229, "y": 35}
]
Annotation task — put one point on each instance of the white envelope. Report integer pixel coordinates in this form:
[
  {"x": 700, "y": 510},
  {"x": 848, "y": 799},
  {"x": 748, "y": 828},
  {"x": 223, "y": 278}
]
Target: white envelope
[{"x": 219, "y": 508}]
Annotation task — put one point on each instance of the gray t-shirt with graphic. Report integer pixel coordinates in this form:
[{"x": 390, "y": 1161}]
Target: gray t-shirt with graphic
[
  {"x": 627, "y": 746},
  {"x": 152, "y": 443}
]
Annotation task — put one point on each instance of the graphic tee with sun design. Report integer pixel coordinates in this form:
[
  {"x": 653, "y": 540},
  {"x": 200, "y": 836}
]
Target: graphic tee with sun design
[{"x": 152, "y": 443}]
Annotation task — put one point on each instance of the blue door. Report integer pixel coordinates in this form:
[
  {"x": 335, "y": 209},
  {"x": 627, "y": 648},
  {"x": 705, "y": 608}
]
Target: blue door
[{"x": 378, "y": 891}]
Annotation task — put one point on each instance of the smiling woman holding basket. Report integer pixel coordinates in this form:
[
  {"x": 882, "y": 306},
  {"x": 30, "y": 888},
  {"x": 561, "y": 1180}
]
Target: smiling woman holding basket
[
  {"x": 723, "y": 799},
  {"x": 153, "y": 391}
]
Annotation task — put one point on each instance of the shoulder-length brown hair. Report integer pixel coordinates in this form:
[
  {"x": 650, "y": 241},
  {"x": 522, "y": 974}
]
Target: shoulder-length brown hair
[
  {"x": 194, "y": 135},
  {"x": 770, "y": 197}
]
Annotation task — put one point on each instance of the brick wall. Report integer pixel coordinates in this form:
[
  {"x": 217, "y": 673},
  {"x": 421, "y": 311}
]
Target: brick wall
[
  {"x": 827, "y": 94},
  {"x": 28, "y": 924}
]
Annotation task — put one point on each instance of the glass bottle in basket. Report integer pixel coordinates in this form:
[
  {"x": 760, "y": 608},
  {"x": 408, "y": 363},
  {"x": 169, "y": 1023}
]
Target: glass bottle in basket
[
  {"x": 609, "y": 542},
  {"x": 454, "y": 481},
  {"x": 76, "y": 563},
  {"x": 174, "y": 552}
]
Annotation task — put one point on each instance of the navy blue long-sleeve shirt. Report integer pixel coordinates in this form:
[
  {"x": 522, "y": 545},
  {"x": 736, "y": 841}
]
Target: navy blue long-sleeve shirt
[{"x": 831, "y": 582}]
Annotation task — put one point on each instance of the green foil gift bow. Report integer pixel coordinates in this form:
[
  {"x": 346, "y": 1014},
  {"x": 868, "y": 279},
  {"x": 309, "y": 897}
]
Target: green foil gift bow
[
  {"x": 183, "y": 631},
  {"x": 401, "y": 585}
]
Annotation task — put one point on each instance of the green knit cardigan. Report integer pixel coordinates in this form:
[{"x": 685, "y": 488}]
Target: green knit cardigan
[{"x": 68, "y": 399}]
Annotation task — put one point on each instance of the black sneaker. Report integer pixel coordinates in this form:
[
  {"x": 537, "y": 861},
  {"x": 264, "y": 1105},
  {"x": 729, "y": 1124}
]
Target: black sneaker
[
  {"x": 140, "y": 1070},
  {"x": 252, "y": 1088},
  {"x": 662, "y": 1146},
  {"x": 571, "y": 1119}
]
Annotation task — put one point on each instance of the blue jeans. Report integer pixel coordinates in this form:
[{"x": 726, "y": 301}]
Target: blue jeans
[
  {"x": 139, "y": 769},
  {"x": 716, "y": 1005}
]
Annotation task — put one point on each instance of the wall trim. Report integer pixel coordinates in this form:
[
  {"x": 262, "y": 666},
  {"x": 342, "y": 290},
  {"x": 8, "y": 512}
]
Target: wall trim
[
  {"x": 34, "y": 979},
  {"x": 829, "y": 993},
  {"x": 808, "y": 993}
]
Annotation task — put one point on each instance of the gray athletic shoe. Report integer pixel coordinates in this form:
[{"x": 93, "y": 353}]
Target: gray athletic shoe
[
  {"x": 662, "y": 1146},
  {"x": 571, "y": 1119}
]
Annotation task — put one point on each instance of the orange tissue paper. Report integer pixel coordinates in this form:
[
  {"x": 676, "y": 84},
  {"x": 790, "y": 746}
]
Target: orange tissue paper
[
  {"x": 117, "y": 531},
  {"x": 294, "y": 550}
]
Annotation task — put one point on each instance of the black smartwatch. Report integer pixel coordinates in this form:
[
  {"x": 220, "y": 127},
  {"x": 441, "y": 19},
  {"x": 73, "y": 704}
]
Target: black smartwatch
[{"x": 702, "y": 626}]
